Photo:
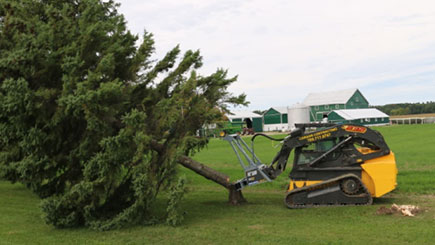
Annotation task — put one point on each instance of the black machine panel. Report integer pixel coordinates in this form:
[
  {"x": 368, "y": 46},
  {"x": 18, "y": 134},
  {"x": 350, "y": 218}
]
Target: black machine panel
[{"x": 328, "y": 152}]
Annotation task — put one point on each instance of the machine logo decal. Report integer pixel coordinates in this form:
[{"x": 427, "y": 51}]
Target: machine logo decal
[
  {"x": 354, "y": 129},
  {"x": 318, "y": 135}
]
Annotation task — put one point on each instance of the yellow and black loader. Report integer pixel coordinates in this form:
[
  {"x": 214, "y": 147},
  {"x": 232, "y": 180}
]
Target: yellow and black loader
[{"x": 336, "y": 164}]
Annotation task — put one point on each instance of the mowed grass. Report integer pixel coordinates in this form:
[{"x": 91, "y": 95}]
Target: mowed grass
[
  {"x": 265, "y": 219},
  {"x": 414, "y": 147}
]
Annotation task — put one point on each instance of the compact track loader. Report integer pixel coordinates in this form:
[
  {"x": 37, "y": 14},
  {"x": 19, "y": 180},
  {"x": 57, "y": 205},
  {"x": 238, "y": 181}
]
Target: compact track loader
[{"x": 333, "y": 165}]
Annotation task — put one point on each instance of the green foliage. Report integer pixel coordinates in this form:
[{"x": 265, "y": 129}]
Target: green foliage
[
  {"x": 87, "y": 120},
  {"x": 175, "y": 215},
  {"x": 408, "y": 108}
]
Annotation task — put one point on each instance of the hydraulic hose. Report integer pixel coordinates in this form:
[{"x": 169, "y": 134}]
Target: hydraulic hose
[{"x": 267, "y": 136}]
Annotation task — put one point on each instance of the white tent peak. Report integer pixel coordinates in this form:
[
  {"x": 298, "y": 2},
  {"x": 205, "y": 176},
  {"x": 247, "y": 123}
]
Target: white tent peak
[
  {"x": 280, "y": 109},
  {"x": 242, "y": 114}
]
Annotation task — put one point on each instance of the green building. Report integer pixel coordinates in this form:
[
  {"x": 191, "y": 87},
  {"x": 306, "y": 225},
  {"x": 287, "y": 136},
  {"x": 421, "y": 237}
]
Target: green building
[
  {"x": 252, "y": 120},
  {"x": 367, "y": 117},
  {"x": 276, "y": 119},
  {"x": 320, "y": 104}
]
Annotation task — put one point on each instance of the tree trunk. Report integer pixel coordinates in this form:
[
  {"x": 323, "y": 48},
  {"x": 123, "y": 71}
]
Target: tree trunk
[{"x": 235, "y": 197}]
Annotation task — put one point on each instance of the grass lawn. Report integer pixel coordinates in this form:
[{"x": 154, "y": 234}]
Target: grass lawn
[{"x": 265, "y": 219}]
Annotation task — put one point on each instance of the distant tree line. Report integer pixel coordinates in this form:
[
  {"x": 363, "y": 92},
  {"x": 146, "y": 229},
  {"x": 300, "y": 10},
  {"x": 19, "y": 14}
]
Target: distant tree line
[{"x": 407, "y": 108}]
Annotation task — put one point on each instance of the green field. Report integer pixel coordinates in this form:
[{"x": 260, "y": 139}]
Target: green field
[{"x": 265, "y": 219}]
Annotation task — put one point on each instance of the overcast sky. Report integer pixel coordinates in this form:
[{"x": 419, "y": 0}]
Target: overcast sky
[{"x": 283, "y": 50}]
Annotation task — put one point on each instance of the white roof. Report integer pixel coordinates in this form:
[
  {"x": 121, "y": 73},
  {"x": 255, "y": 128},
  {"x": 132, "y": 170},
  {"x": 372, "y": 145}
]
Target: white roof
[
  {"x": 242, "y": 114},
  {"x": 332, "y": 97},
  {"x": 352, "y": 114},
  {"x": 280, "y": 109}
]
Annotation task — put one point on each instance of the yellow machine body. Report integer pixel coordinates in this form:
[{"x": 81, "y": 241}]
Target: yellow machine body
[
  {"x": 378, "y": 175},
  {"x": 301, "y": 183}
]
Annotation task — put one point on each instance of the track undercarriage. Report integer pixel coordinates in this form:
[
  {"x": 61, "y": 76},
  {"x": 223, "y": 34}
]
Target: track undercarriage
[{"x": 347, "y": 189}]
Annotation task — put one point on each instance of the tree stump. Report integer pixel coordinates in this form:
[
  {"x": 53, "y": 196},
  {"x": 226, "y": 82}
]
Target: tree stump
[{"x": 235, "y": 197}]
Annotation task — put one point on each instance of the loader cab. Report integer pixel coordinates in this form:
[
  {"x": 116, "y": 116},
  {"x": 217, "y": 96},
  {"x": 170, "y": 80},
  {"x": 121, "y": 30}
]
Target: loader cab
[
  {"x": 311, "y": 163},
  {"x": 307, "y": 153}
]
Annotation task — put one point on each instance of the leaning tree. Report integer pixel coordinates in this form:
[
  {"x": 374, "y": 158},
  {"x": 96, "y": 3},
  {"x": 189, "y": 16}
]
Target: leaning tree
[{"x": 91, "y": 122}]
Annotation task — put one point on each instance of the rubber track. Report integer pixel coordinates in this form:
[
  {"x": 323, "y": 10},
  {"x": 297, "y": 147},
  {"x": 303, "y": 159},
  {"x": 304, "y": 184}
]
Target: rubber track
[{"x": 326, "y": 184}]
